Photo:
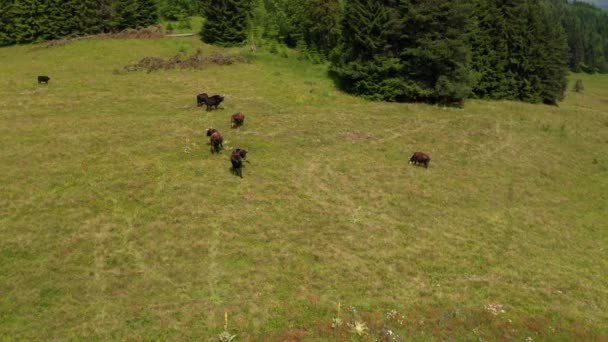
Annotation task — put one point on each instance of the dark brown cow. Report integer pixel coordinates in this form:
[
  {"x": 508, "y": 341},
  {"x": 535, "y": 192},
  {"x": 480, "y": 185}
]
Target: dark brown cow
[
  {"x": 236, "y": 158},
  {"x": 43, "y": 79},
  {"x": 216, "y": 140},
  {"x": 201, "y": 98},
  {"x": 214, "y": 100},
  {"x": 420, "y": 158},
  {"x": 237, "y": 119}
]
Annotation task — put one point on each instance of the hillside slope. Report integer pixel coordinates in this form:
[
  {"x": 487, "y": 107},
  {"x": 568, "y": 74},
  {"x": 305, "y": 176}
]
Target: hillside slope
[{"x": 116, "y": 221}]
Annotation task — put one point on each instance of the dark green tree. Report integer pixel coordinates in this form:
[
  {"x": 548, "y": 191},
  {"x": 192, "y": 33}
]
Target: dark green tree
[
  {"x": 227, "y": 22},
  {"x": 31, "y": 22},
  {"x": 322, "y": 24},
  {"x": 7, "y": 23},
  {"x": 363, "y": 63},
  {"x": 489, "y": 51},
  {"x": 553, "y": 66},
  {"x": 147, "y": 13},
  {"x": 587, "y": 31},
  {"x": 435, "y": 50},
  {"x": 520, "y": 53},
  {"x": 125, "y": 14}
]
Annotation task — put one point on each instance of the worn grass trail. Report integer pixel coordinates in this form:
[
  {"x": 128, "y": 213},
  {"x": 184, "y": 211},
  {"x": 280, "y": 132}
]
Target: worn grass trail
[{"x": 116, "y": 222}]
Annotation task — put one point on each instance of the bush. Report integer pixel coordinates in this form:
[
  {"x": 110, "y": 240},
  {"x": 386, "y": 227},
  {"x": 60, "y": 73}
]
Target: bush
[
  {"x": 578, "y": 86},
  {"x": 184, "y": 23},
  {"x": 273, "y": 48}
]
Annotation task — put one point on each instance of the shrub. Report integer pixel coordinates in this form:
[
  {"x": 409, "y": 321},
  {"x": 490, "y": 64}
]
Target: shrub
[{"x": 578, "y": 86}]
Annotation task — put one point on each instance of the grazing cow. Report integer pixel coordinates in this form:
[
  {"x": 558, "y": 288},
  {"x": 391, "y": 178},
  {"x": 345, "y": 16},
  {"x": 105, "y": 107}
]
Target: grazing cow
[
  {"x": 201, "y": 98},
  {"x": 236, "y": 158},
  {"x": 214, "y": 100},
  {"x": 216, "y": 140},
  {"x": 420, "y": 158},
  {"x": 43, "y": 79},
  {"x": 237, "y": 119}
]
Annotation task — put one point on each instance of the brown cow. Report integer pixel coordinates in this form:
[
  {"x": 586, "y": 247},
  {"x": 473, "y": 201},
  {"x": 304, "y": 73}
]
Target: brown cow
[
  {"x": 237, "y": 119},
  {"x": 201, "y": 98},
  {"x": 214, "y": 100},
  {"x": 215, "y": 139},
  {"x": 420, "y": 158},
  {"x": 236, "y": 158}
]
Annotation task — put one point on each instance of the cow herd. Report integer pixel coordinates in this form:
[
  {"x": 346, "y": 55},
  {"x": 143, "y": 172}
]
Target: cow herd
[
  {"x": 238, "y": 119},
  {"x": 215, "y": 137}
]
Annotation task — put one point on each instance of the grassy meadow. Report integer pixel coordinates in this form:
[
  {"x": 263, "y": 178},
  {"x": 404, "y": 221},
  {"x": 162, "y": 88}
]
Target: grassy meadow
[{"x": 116, "y": 222}]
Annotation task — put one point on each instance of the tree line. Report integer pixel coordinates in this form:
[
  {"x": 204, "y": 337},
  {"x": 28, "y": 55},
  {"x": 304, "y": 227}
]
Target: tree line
[
  {"x": 394, "y": 50},
  {"x": 587, "y": 29},
  {"x": 27, "y": 21},
  {"x": 430, "y": 50}
]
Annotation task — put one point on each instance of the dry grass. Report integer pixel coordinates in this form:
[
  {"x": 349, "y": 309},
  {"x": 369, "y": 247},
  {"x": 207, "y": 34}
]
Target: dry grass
[{"x": 117, "y": 223}]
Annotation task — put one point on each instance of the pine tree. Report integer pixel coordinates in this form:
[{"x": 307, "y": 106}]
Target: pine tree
[
  {"x": 227, "y": 22},
  {"x": 125, "y": 14},
  {"x": 31, "y": 21},
  {"x": 362, "y": 62},
  {"x": 435, "y": 50},
  {"x": 7, "y": 23},
  {"x": 554, "y": 67},
  {"x": 489, "y": 51},
  {"x": 528, "y": 54},
  {"x": 322, "y": 26},
  {"x": 587, "y": 30},
  {"x": 147, "y": 13}
]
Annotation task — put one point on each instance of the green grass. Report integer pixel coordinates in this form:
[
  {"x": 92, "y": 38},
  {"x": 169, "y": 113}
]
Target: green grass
[{"x": 116, "y": 222}]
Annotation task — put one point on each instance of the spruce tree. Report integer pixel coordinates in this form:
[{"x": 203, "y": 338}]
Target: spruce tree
[
  {"x": 362, "y": 63},
  {"x": 31, "y": 22},
  {"x": 125, "y": 14},
  {"x": 489, "y": 51},
  {"x": 435, "y": 50},
  {"x": 7, "y": 23},
  {"x": 147, "y": 13},
  {"x": 554, "y": 67},
  {"x": 322, "y": 26},
  {"x": 227, "y": 22}
]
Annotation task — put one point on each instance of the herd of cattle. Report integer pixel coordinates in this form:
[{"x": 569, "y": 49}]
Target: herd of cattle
[
  {"x": 236, "y": 120},
  {"x": 237, "y": 157},
  {"x": 215, "y": 137}
]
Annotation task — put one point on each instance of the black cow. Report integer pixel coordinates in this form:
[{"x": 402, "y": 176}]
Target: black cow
[
  {"x": 237, "y": 119},
  {"x": 216, "y": 140},
  {"x": 43, "y": 79},
  {"x": 236, "y": 158},
  {"x": 420, "y": 158},
  {"x": 214, "y": 100},
  {"x": 201, "y": 98}
]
